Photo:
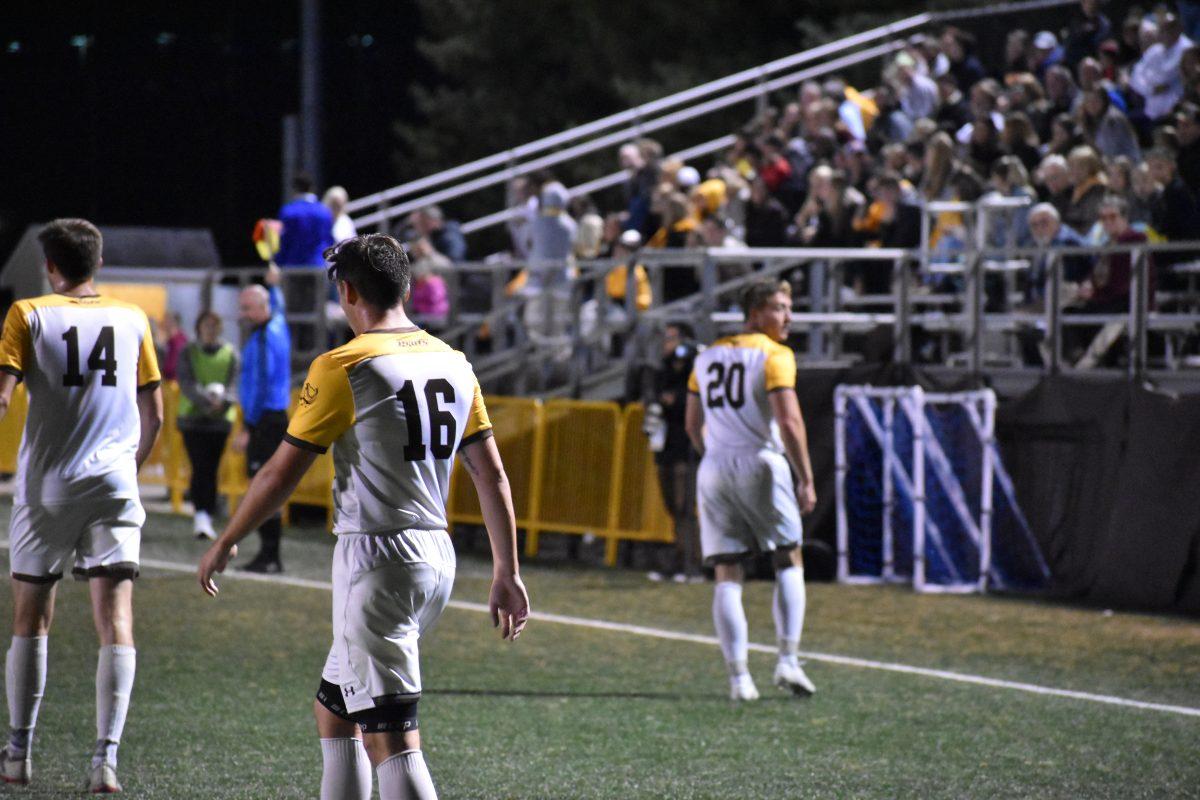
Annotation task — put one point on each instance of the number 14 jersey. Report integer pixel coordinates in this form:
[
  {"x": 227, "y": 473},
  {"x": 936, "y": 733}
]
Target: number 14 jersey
[
  {"x": 83, "y": 360},
  {"x": 396, "y": 406},
  {"x": 732, "y": 379}
]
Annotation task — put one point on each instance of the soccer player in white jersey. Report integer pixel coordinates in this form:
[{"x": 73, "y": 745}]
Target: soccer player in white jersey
[
  {"x": 95, "y": 408},
  {"x": 397, "y": 405},
  {"x": 744, "y": 419}
]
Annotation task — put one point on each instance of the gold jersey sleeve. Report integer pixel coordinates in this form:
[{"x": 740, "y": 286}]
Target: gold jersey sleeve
[
  {"x": 693, "y": 383},
  {"x": 479, "y": 425},
  {"x": 780, "y": 368},
  {"x": 326, "y": 407},
  {"x": 15, "y": 340},
  {"x": 148, "y": 374}
]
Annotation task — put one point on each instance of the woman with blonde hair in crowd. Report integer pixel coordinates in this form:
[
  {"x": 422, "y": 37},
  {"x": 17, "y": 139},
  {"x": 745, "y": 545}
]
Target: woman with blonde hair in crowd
[
  {"x": 939, "y": 165},
  {"x": 1105, "y": 128},
  {"x": 1088, "y": 187}
]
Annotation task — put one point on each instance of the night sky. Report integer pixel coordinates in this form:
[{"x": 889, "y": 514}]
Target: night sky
[{"x": 170, "y": 114}]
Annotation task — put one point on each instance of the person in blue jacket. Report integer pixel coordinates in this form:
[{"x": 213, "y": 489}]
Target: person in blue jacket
[
  {"x": 307, "y": 228},
  {"x": 264, "y": 389}
]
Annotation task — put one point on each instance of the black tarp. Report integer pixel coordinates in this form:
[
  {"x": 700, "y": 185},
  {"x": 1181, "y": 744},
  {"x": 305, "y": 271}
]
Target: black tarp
[{"x": 1107, "y": 473}]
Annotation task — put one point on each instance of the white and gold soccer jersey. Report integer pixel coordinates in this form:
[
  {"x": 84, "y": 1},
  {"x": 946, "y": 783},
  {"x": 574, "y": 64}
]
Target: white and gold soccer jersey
[
  {"x": 399, "y": 405},
  {"x": 83, "y": 360},
  {"x": 396, "y": 406},
  {"x": 744, "y": 486}
]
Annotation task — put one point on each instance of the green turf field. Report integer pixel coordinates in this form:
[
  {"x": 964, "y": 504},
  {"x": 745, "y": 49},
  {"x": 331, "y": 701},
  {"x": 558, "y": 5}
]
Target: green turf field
[{"x": 222, "y": 704}]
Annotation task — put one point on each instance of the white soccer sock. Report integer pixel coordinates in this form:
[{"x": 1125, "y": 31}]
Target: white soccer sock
[
  {"x": 791, "y": 597},
  {"x": 404, "y": 776},
  {"x": 346, "y": 771},
  {"x": 729, "y": 618},
  {"x": 25, "y": 679},
  {"x": 115, "y": 667}
]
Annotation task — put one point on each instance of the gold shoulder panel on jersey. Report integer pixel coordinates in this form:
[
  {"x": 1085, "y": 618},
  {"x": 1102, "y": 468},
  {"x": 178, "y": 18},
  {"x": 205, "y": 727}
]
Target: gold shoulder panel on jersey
[
  {"x": 384, "y": 343},
  {"x": 780, "y": 368},
  {"x": 326, "y": 406}
]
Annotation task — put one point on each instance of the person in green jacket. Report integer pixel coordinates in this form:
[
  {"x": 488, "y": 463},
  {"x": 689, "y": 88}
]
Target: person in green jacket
[{"x": 208, "y": 369}]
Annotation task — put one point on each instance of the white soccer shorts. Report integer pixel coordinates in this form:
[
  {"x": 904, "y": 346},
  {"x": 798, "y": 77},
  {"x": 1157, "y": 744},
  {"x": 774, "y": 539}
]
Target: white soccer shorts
[
  {"x": 94, "y": 537},
  {"x": 747, "y": 504},
  {"x": 388, "y": 590}
]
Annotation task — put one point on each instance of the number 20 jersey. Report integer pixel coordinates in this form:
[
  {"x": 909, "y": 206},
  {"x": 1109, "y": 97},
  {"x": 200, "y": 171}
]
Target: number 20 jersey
[
  {"x": 83, "y": 360},
  {"x": 732, "y": 379},
  {"x": 395, "y": 406}
]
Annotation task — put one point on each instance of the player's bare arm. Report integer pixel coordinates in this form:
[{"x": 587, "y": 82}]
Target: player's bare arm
[
  {"x": 693, "y": 422},
  {"x": 150, "y": 413},
  {"x": 508, "y": 602},
  {"x": 271, "y": 487},
  {"x": 8, "y": 383},
  {"x": 786, "y": 410}
]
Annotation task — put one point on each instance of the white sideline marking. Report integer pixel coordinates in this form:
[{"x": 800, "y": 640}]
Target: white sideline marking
[{"x": 678, "y": 636}]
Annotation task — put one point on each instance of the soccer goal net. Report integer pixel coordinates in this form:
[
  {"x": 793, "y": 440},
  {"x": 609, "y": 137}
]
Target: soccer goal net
[{"x": 923, "y": 497}]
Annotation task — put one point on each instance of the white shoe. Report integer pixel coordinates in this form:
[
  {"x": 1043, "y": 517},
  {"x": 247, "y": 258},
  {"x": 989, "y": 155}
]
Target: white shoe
[
  {"x": 792, "y": 678},
  {"x": 656, "y": 576},
  {"x": 202, "y": 526},
  {"x": 679, "y": 577},
  {"x": 742, "y": 688},
  {"x": 15, "y": 769},
  {"x": 103, "y": 780}
]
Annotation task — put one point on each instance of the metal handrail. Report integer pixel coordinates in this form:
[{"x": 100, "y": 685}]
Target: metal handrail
[
  {"x": 639, "y": 112},
  {"x": 619, "y": 137}
]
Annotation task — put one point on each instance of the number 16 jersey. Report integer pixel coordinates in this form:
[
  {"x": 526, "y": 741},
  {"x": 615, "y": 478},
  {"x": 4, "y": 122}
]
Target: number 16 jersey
[
  {"x": 732, "y": 379},
  {"x": 83, "y": 360},
  {"x": 396, "y": 406}
]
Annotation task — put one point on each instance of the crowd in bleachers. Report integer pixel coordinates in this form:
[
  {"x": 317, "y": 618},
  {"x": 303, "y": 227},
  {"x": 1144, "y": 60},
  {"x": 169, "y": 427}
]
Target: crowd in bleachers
[{"x": 1087, "y": 122}]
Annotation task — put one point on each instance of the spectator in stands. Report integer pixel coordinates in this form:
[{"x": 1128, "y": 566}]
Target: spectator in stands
[
  {"x": 678, "y": 222},
  {"x": 983, "y": 148},
  {"x": 1064, "y": 136},
  {"x": 1156, "y": 77},
  {"x": 918, "y": 94},
  {"x": 1105, "y": 128},
  {"x": 1106, "y": 291},
  {"x": 827, "y": 217},
  {"x": 1120, "y": 182},
  {"x": 429, "y": 301},
  {"x": 1010, "y": 180},
  {"x": 1091, "y": 76},
  {"x": 171, "y": 344},
  {"x": 1085, "y": 32},
  {"x": 673, "y": 454},
  {"x": 939, "y": 166},
  {"x": 335, "y": 199},
  {"x": 589, "y": 237},
  {"x": 1061, "y": 91},
  {"x": 1046, "y": 231},
  {"x": 1054, "y": 180},
  {"x": 552, "y": 241},
  {"x": 1020, "y": 140},
  {"x": 1145, "y": 192},
  {"x": 522, "y": 197},
  {"x": 264, "y": 387},
  {"x": 445, "y": 235},
  {"x": 954, "y": 111},
  {"x": 1129, "y": 44},
  {"x": 985, "y": 99},
  {"x": 1044, "y": 54},
  {"x": 208, "y": 369},
  {"x": 307, "y": 228},
  {"x": 639, "y": 187},
  {"x": 1187, "y": 125},
  {"x": 766, "y": 218},
  {"x": 604, "y": 319},
  {"x": 1016, "y": 54},
  {"x": 962, "y": 63},
  {"x": 899, "y": 226},
  {"x": 1173, "y": 214},
  {"x": 1087, "y": 188}
]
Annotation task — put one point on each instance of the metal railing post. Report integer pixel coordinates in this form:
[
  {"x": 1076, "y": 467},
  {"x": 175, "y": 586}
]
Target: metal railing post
[
  {"x": 1139, "y": 302},
  {"x": 975, "y": 288},
  {"x": 817, "y": 302},
  {"x": 902, "y": 326},
  {"x": 1053, "y": 299},
  {"x": 708, "y": 297}
]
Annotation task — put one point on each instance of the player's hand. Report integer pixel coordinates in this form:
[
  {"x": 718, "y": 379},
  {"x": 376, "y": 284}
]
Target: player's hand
[
  {"x": 806, "y": 494},
  {"x": 215, "y": 560},
  {"x": 509, "y": 606},
  {"x": 241, "y": 441}
]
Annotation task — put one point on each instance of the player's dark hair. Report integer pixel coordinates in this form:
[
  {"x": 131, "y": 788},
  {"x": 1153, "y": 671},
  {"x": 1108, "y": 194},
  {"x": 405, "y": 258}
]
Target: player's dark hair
[
  {"x": 376, "y": 265},
  {"x": 756, "y": 295},
  {"x": 74, "y": 246}
]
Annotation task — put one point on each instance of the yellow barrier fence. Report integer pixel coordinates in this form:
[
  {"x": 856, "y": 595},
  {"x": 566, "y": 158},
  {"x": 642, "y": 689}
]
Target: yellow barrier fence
[{"x": 575, "y": 466}]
